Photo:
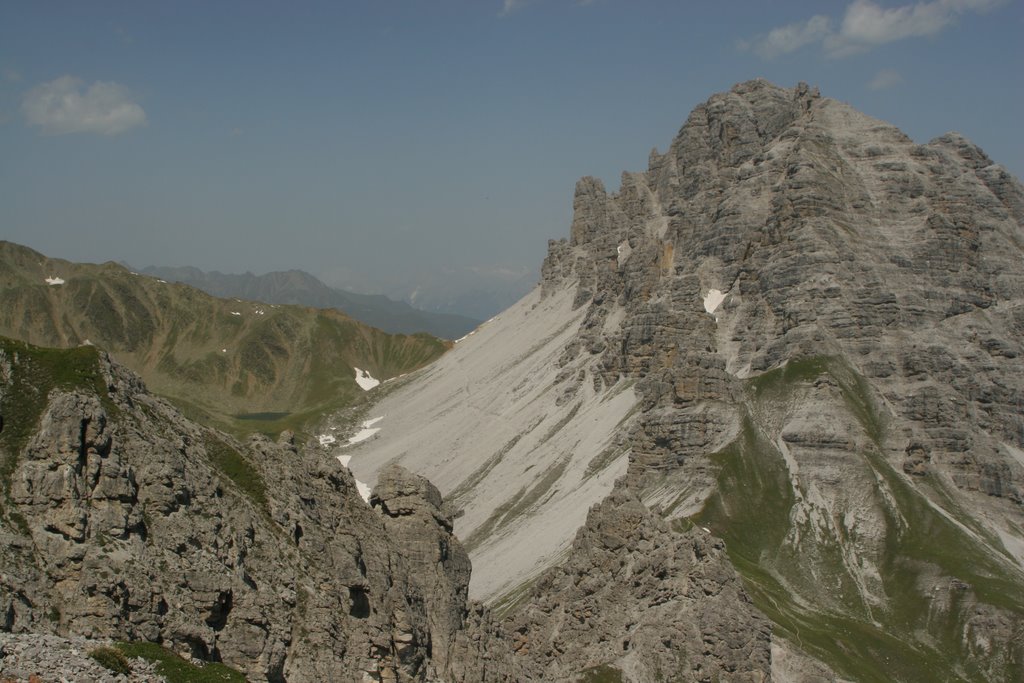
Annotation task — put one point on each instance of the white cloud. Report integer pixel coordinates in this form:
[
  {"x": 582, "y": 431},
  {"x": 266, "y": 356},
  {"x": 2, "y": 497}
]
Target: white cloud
[
  {"x": 886, "y": 78},
  {"x": 67, "y": 105},
  {"x": 866, "y": 24},
  {"x": 789, "y": 38},
  {"x": 510, "y": 6}
]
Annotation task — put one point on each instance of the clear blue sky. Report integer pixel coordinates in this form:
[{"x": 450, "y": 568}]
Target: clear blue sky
[{"x": 391, "y": 136}]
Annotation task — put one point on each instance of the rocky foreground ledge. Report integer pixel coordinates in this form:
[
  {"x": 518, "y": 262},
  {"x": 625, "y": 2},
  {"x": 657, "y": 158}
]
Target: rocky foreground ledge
[{"x": 46, "y": 658}]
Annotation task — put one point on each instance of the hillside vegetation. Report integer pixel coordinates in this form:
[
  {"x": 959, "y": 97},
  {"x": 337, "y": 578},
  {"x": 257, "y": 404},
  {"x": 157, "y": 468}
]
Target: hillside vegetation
[{"x": 243, "y": 365}]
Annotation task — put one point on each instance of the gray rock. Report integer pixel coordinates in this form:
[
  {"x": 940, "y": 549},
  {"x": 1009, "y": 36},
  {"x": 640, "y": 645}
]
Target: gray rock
[{"x": 636, "y": 597}]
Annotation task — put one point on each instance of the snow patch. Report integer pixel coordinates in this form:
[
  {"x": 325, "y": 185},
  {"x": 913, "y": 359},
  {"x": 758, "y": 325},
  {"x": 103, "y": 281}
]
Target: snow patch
[
  {"x": 163, "y": 282},
  {"x": 366, "y": 431},
  {"x": 623, "y": 251},
  {"x": 712, "y": 300},
  {"x": 54, "y": 281},
  {"x": 365, "y": 380},
  {"x": 362, "y": 435},
  {"x": 236, "y": 313}
]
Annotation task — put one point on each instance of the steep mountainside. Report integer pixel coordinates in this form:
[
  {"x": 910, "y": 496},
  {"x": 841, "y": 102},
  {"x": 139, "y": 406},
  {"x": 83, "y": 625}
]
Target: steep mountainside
[
  {"x": 301, "y": 288},
  {"x": 819, "y": 327},
  {"x": 121, "y": 519},
  {"x": 271, "y": 366}
]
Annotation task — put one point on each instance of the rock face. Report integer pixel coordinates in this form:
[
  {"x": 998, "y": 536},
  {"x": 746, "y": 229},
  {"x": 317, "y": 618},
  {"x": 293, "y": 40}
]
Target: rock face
[
  {"x": 639, "y": 599},
  {"x": 416, "y": 520},
  {"x": 122, "y": 519},
  {"x": 819, "y": 324},
  {"x": 824, "y": 322}
]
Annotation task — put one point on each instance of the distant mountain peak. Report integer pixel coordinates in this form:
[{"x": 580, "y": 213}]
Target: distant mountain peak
[{"x": 299, "y": 287}]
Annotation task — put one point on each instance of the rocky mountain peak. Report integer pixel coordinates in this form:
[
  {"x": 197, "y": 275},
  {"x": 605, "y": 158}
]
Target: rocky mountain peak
[{"x": 813, "y": 324}]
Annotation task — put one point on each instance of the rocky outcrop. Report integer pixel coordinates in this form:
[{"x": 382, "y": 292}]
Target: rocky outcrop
[
  {"x": 43, "y": 657},
  {"x": 416, "y": 520},
  {"x": 124, "y": 520},
  {"x": 638, "y": 600}
]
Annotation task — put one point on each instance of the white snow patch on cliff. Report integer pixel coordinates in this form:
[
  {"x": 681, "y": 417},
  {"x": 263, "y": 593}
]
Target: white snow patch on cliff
[
  {"x": 365, "y": 380},
  {"x": 362, "y": 435},
  {"x": 623, "y": 250},
  {"x": 364, "y": 490},
  {"x": 712, "y": 300},
  {"x": 54, "y": 281}
]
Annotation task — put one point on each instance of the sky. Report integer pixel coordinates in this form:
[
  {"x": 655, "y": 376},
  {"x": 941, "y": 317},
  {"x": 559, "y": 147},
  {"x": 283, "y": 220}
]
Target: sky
[{"x": 393, "y": 137}]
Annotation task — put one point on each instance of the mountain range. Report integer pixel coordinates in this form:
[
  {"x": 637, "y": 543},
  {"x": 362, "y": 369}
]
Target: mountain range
[
  {"x": 760, "y": 421},
  {"x": 301, "y": 288},
  {"x": 242, "y": 364}
]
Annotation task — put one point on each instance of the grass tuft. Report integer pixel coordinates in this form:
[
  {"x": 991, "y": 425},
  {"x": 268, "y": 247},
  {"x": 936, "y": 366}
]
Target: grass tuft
[
  {"x": 176, "y": 669},
  {"x": 112, "y": 660},
  {"x": 237, "y": 469}
]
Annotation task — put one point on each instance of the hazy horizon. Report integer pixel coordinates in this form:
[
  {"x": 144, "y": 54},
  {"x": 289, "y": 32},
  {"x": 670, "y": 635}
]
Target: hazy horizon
[{"x": 403, "y": 138}]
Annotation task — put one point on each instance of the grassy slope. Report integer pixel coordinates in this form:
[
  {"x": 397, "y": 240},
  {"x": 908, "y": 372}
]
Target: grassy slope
[
  {"x": 910, "y": 639},
  {"x": 220, "y": 360}
]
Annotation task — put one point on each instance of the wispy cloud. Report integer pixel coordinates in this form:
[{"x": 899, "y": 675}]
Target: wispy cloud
[
  {"x": 789, "y": 38},
  {"x": 886, "y": 78},
  {"x": 67, "y": 105},
  {"x": 11, "y": 75},
  {"x": 510, "y": 6},
  {"x": 865, "y": 24}
]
